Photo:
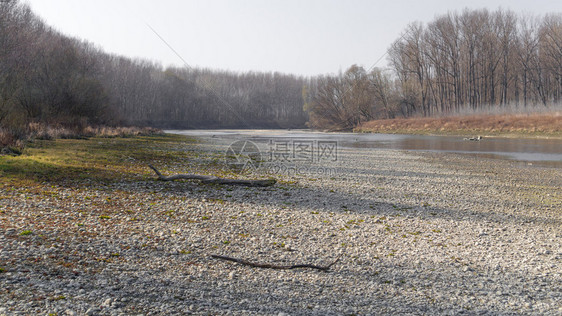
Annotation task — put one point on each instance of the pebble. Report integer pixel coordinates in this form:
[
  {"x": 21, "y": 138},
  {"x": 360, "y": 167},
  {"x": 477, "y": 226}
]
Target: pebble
[{"x": 415, "y": 233}]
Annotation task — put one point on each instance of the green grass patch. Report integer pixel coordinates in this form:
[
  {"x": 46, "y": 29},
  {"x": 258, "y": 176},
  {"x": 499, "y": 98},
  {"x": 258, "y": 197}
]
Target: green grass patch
[{"x": 106, "y": 160}]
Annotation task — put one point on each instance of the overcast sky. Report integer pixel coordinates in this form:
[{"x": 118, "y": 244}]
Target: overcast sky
[{"x": 303, "y": 37}]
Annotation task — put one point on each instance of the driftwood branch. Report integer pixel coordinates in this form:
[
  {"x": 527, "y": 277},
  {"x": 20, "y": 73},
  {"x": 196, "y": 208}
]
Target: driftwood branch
[
  {"x": 276, "y": 267},
  {"x": 214, "y": 180}
]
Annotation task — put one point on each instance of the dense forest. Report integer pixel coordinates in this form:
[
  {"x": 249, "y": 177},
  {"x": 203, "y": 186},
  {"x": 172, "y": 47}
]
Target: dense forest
[
  {"x": 474, "y": 61},
  {"x": 49, "y": 78}
]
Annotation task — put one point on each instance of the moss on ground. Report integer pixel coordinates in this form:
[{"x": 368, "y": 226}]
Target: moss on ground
[{"x": 79, "y": 161}]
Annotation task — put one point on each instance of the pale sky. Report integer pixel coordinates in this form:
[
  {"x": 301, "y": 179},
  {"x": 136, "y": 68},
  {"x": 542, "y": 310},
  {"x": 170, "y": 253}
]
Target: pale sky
[{"x": 302, "y": 37}]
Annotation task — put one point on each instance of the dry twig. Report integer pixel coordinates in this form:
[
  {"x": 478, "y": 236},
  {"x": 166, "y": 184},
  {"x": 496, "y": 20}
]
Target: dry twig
[
  {"x": 276, "y": 267},
  {"x": 215, "y": 180}
]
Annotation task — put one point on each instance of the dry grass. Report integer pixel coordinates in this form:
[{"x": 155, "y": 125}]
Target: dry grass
[
  {"x": 12, "y": 141},
  {"x": 104, "y": 131},
  {"x": 43, "y": 131},
  {"x": 46, "y": 132},
  {"x": 540, "y": 124}
]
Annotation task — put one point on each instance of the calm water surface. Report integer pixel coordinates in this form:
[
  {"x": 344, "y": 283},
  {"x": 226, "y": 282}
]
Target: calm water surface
[{"x": 543, "y": 152}]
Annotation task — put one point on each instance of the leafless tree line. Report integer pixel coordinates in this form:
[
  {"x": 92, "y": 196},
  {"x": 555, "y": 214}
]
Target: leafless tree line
[
  {"x": 345, "y": 101},
  {"x": 471, "y": 60},
  {"x": 202, "y": 98},
  {"x": 50, "y": 78}
]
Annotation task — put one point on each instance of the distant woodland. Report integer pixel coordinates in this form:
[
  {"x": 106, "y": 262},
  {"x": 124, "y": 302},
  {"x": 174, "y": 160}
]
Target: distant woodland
[
  {"x": 472, "y": 61},
  {"x": 469, "y": 60},
  {"x": 50, "y": 78}
]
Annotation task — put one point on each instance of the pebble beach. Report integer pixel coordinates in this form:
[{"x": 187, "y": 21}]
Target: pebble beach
[{"x": 412, "y": 232}]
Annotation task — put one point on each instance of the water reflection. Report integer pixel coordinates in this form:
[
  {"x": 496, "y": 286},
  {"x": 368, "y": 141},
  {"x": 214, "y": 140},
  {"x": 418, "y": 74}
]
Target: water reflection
[
  {"x": 546, "y": 152},
  {"x": 514, "y": 148}
]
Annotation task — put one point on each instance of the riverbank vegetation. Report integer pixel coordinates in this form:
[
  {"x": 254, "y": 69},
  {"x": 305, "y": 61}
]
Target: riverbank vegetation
[
  {"x": 97, "y": 160},
  {"x": 519, "y": 125},
  {"x": 473, "y": 62},
  {"x": 61, "y": 83},
  {"x": 476, "y": 61}
]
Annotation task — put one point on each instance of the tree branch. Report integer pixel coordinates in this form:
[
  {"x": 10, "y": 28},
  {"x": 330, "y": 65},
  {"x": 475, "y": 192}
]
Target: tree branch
[
  {"x": 276, "y": 267},
  {"x": 214, "y": 180}
]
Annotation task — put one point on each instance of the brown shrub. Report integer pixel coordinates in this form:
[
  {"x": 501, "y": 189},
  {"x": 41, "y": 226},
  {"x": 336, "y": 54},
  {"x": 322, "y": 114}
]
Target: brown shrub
[
  {"x": 526, "y": 123},
  {"x": 12, "y": 141}
]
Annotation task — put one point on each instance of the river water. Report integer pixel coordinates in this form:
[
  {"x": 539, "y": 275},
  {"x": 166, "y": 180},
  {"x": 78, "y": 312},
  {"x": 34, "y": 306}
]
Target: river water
[{"x": 539, "y": 152}]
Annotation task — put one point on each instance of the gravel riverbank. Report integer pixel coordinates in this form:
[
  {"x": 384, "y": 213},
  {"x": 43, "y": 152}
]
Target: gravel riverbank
[{"x": 418, "y": 233}]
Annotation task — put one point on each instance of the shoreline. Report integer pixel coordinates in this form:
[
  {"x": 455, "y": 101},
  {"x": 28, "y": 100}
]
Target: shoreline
[
  {"x": 547, "y": 126},
  {"x": 418, "y": 233}
]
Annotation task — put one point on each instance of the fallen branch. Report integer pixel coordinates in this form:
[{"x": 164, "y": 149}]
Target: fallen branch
[
  {"x": 276, "y": 267},
  {"x": 215, "y": 180}
]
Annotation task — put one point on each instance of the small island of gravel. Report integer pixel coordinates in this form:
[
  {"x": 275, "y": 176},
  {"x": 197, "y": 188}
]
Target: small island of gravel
[{"x": 86, "y": 228}]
